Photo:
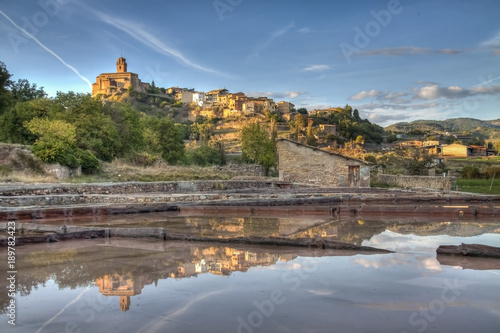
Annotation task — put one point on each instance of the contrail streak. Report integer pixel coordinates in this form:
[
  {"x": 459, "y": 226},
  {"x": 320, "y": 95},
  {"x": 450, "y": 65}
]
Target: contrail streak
[{"x": 48, "y": 50}]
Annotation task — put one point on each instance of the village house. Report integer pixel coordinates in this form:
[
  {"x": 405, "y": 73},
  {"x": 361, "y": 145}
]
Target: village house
[
  {"x": 119, "y": 82},
  {"x": 185, "y": 96},
  {"x": 236, "y": 100},
  {"x": 285, "y": 107},
  {"x": 212, "y": 96},
  {"x": 328, "y": 129},
  {"x": 258, "y": 105},
  {"x": 301, "y": 163},
  {"x": 456, "y": 149},
  {"x": 174, "y": 90},
  {"x": 324, "y": 112}
]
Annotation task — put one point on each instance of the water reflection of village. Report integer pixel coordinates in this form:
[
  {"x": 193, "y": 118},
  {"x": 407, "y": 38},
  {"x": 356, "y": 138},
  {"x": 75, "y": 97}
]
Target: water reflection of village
[
  {"x": 351, "y": 231},
  {"x": 124, "y": 266},
  {"x": 214, "y": 260}
]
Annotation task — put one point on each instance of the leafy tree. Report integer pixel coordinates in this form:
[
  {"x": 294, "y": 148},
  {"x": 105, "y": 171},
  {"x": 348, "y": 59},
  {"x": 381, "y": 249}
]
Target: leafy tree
[
  {"x": 95, "y": 130},
  {"x": 302, "y": 111},
  {"x": 301, "y": 120},
  {"x": 497, "y": 146},
  {"x": 415, "y": 162},
  {"x": 23, "y": 91},
  {"x": 164, "y": 138},
  {"x": 12, "y": 122},
  {"x": 56, "y": 141},
  {"x": 356, "y": 116},
  {"x": 370, "y": 159},
  {"x": 5, "y": 82},
  {"x": 310, "y": 138},
  {"x": 202, "y": 131},
  {"x": 204, "y": 156},
  {"x": 392, "y": 138},
  {"x": 128, "y": 126},
  {"x": 258, "y": 146}
]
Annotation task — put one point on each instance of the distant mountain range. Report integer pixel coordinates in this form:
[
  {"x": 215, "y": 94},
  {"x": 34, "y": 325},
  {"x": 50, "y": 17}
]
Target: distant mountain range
[{"x": 490, "y": 128}]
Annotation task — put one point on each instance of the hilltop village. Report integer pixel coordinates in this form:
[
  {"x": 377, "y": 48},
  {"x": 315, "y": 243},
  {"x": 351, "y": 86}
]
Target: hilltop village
[
  {"x": 322, "y": 125},
  {"x": 215, "y": 103}
]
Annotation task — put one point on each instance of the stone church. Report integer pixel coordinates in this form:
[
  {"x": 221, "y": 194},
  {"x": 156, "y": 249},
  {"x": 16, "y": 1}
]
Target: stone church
[{"x": 111, "y": 83}]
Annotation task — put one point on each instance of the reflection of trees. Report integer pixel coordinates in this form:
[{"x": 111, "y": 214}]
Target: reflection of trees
[
  {"x": 355, "y": 232},
  {"x": 263, "y": 227},
  {"x": 82, "y": 267},
  {"x": 462, "y": 229}
]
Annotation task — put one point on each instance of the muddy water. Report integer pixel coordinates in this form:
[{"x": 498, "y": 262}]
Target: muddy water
[{"x": 123, "y": 285}]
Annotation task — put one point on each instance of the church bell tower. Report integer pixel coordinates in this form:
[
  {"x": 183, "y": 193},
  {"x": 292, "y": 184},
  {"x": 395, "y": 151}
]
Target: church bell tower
[{"x": 121, "y": 65}]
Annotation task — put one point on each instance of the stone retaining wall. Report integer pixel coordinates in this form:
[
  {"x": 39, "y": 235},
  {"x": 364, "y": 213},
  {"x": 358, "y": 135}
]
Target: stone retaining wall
[
  {"x": 140, "y": 187},
  {"x": 437, "y": 183}
]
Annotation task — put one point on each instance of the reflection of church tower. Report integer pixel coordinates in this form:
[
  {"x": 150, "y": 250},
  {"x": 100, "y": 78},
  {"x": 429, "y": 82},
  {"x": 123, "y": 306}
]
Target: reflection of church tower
[
  {"x": 124, "y": 303},
  {"x": 123, "y": 286},
  {"x": 121, "y": 65}
]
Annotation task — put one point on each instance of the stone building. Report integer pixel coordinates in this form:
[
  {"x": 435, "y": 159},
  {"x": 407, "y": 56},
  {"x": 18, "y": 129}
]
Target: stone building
[
  {"x": 301, "y": 163},
  {"x": 285, "y": 107},
  {"x": 110, "y": 83},
  {"x": 456, "y": 149}
]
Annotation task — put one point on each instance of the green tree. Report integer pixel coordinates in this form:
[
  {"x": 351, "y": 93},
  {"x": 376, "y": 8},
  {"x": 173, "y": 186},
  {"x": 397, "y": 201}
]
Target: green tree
[
  {"x": 205, "y": 156},
  {"x": 310, "y": 138},
  {"x": 12, "y": 122},
  {"x": 129, "y": 128},
  {"x": 5, "y": 82},
  {"x": 302, "y": 111},
  {"x": 257, "y": 145},
  {"x": 23, "y": 91},
  {"x": 392, "y": 138},
  {"x": 164, "y": 138},
  {"x": 301, "y": 120},
  {"x": 56, "y": 141},
  {"x": 415, "y": 162},
  {"x": 95, "y": 131},
  {"x": 202, "y": 131},
  {"x": 497, "y": 146}
]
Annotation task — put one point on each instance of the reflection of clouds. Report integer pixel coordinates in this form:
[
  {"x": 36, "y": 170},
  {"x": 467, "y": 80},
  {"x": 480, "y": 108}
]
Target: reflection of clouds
[
  {"x": 438, "y": 283},
  {"x": 321, "y": 292},
  {"x": 158, "y": 325},
  {"x": 408, "y": 306},
  {"x": 431, "y": 264},
  {"x": 420, "y": 261},
  {"x": 428, "y": 244}
]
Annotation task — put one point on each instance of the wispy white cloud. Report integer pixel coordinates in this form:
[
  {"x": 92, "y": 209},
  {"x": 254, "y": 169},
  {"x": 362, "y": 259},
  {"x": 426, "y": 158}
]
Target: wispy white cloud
[
  {"x": 493, "y": 42},
  {"x": 137, "y": 32},
  {"x": 407, "y": 50},
  {"x": 304, "y": 30},
  {"x": 365, "y": 94},
  {"x": 277, "y": 95},
  {"x": 274, "y": 35},
  {"x": 317, "y": 68},
  {"x": 47, "y": 49}
]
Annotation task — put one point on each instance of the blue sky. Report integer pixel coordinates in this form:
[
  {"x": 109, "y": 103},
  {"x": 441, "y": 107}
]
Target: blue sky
[{"x": 392, "y": 60}]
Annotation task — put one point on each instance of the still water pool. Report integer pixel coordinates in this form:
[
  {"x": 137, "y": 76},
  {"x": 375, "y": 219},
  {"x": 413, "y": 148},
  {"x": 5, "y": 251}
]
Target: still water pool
[{"x": 144, "y": 285}]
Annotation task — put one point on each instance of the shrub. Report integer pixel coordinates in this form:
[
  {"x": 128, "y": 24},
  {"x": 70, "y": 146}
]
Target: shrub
[
  {"x": 493, "y": 171},
  {"x": 469, "y": 172},
  {"x": 90, "y": 164},
  {"x": 5, "y": 170},
  {"x": 144, "y": 159},
  {"x": 204, "y": 156},
  {"x": 370, "y": 159}
]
